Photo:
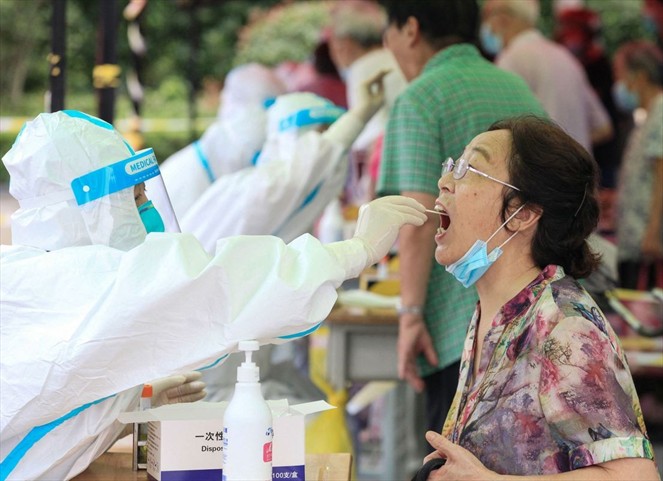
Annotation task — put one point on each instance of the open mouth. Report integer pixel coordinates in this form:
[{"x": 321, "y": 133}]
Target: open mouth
[{"x": 445, "y": 221}]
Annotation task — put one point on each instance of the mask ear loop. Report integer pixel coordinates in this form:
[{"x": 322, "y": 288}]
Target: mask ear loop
[{"x": 502, "y": 226}]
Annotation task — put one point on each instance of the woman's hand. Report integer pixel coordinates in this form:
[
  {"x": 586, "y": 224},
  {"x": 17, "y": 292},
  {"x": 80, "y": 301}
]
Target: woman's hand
[{"x": 461, "y": 464}]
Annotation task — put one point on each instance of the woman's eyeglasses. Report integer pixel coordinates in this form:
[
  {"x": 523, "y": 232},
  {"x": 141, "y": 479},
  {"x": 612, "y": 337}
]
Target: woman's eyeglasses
[{"x": 461, "y": 166}]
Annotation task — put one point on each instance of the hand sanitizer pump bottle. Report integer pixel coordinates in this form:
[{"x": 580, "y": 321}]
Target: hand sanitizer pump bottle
[{"x": 247, "y": 426}]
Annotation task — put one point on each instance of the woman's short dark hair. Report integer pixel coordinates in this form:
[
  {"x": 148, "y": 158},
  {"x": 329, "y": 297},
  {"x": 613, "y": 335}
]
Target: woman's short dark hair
[
  {"x": 557, "y": 176},
  {"x": 441, "y": 22}
]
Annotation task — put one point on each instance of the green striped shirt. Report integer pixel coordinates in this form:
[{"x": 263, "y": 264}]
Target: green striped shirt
[{"x": 456, "y": 97}]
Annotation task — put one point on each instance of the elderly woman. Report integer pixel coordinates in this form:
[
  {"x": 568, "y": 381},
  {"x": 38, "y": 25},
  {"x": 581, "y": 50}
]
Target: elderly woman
[
  {"x": 544, "y": 385},
  {"x": 639, "y": 72}
]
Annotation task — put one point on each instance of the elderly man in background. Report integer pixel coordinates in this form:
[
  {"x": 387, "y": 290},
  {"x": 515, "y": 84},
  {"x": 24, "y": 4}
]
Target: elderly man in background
[
  {"x": 555, "y": 76},
  {"x": 355, "y": 41}
]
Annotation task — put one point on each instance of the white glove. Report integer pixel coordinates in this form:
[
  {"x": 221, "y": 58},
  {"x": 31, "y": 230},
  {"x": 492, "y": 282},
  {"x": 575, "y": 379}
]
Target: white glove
[
  {"x": 371, "y": 97},
  {"x": 377, "y": 228},
  {"x": 180, "y": 388},
  {"x": 381, "y": 219}
]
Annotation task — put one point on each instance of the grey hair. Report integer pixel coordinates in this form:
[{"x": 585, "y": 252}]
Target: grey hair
[
  {"x": 645, "y": 56},
  {"x": 527, "y": 10},
  {"x": 360, "y": 20}
]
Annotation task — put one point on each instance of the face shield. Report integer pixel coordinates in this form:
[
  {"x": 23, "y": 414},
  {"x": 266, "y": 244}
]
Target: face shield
[
  {"x": 124, "y": 196},
  {"x": 78, "y": 182}
]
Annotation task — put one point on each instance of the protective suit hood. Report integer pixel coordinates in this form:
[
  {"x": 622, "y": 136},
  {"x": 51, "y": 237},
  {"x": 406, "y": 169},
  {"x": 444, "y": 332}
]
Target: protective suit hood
[
  {"x": 249, "y": 84},
  {"x": 290, "y": 117},
  {"x": 50, "y": 152}
]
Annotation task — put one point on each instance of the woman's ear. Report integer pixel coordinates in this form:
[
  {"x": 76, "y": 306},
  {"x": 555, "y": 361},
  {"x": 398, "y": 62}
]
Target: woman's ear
[{"x": 526, "y": 219}]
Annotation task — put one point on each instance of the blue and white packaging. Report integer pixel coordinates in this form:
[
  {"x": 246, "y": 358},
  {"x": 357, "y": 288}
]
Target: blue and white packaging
[{"x": 185, "y": 441}]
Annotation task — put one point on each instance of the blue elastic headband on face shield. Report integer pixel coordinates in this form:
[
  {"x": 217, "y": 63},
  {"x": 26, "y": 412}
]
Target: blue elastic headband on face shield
[
  {"x": 115, "y": 177},
  {"x": 325, "y": 114}
]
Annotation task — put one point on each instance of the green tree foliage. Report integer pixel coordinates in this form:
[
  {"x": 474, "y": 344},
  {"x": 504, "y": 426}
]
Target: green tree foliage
[
  {"x": 22, "y": 53},
  {"x": 170, "y": 27},
  {"x": 288, "y": 32},
  {"x": 621, "y": 20}
]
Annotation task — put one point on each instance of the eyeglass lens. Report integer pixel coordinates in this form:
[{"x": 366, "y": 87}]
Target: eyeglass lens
[
  {"x": 461, "y": 168},
  {"x": 458, "y": 167},
  {"x": 447, "y": 165}
]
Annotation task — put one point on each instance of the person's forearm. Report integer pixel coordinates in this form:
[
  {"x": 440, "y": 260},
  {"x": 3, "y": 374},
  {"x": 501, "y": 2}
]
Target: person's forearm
[
  {"x": 416, "y": 256},
  {"x": 345, "y": 130},
  {"x": 617, "y": 470}
]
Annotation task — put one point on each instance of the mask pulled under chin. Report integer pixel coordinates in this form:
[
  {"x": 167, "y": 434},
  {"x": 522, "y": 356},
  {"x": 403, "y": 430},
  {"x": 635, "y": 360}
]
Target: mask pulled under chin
[{"x": 476, "y": 261}]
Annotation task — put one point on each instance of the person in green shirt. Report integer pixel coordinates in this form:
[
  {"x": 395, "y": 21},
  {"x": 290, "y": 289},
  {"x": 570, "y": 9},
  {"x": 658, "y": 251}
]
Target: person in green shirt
[{"x": 454, "y": 94}]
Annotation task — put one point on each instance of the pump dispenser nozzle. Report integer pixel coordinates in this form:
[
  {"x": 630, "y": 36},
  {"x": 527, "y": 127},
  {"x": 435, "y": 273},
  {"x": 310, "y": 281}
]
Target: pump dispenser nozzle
[{"x": 248, "y": 371}]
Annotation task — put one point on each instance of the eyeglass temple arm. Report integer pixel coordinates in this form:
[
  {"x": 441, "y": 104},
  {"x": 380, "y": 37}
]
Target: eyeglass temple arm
[{"x": 491, "y": 178}]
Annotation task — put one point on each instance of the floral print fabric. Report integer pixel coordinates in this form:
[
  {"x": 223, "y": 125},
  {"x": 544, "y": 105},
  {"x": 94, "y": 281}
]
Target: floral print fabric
[{"x": 553, "y": 391}]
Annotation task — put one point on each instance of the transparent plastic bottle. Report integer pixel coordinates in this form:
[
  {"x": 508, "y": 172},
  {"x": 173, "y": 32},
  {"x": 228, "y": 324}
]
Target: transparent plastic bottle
[{"x": 247, "y": 426}]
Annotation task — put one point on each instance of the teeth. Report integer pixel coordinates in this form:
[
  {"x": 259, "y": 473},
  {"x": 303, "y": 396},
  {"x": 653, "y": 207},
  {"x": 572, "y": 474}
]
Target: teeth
[{"x": 441, "y": 230}]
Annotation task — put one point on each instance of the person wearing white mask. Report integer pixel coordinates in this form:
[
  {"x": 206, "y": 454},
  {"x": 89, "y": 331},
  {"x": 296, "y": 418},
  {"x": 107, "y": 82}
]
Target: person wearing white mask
[
  {"x": 299, "y": 170},
  {"x": 638, "y": 67},
  {"x": 95, "y": 300},
  {"x": 557, "y": 78},
  {"x": 231, "y": 143},
  {"x": 355, "y": 40},
  {"x": 545, "y": 391}
]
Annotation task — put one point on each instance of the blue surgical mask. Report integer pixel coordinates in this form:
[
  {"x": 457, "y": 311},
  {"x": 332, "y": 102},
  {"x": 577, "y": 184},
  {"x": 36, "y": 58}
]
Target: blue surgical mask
[
  {"x": 490, "y": 41},
  {"x": 151, "y": 218},
  {"x": 625, "y": 99},
  {"x": 476, "y": 261}
]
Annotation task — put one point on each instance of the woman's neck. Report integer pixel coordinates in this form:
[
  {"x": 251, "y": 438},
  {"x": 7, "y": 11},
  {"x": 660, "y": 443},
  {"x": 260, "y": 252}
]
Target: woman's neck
[{"x": 503, "y": 281}]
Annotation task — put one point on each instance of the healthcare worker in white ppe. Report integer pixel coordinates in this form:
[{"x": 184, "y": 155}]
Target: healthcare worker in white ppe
[
  {"x": 231, "y": 143},
  {"x": 92, "y": 306},
  {"x": 301, "y": 169}
]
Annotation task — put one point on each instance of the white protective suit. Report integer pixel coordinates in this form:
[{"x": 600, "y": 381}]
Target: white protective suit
[
  {"x": 231, "y": 143},
  {"x": 84, "y": 323},
  {"x": 298, "y": 173}
]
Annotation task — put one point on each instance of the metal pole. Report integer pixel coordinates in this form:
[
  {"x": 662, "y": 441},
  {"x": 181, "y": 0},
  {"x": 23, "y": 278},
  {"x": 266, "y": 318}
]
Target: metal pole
[
  {"x": 134, "y": 13},
  {"x": 106, "y": 71},
  {"x": 56, "y": 58},
  {"x": 194, "y": 80}
]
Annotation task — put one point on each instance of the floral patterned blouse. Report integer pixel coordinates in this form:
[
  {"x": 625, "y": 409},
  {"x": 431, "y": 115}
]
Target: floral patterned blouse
[{"x": 553, "y": 392}]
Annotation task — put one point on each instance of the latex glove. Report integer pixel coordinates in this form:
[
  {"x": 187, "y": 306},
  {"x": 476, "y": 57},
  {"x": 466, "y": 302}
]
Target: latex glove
[
  {"x": 180, "y": 388},
  {"x": 380, "y": 220},
  {"x": 371, "y": 97}
]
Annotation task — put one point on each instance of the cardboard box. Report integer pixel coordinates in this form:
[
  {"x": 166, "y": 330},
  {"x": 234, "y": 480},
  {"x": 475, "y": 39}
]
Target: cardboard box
[{"x": 185, "y": 441}]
